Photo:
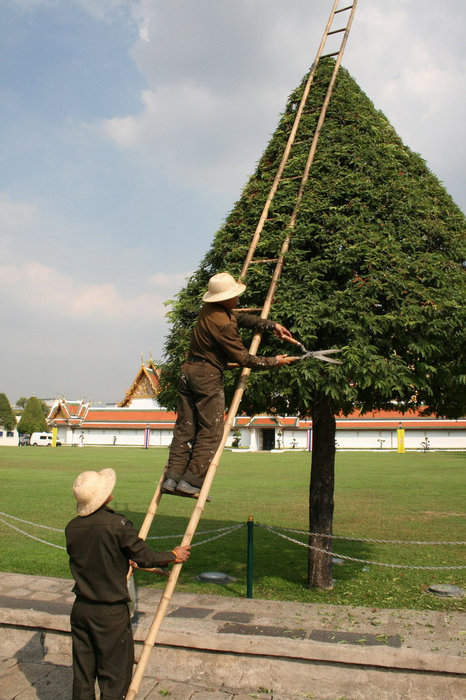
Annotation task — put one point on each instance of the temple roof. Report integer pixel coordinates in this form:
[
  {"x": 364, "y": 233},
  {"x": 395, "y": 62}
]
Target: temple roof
[
  {"x": 146, "y": 384},
  {"x": 68, "y": 412}
]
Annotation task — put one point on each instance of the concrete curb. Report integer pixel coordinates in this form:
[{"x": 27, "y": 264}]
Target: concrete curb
[
  {"x": 239, "y": 645},
  {"x": 303, "y": 649}
]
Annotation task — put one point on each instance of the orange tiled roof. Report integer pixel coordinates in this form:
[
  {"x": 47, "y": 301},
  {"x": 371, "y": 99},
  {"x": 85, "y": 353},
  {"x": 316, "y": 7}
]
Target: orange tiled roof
[{"x": 78, "y": 414}]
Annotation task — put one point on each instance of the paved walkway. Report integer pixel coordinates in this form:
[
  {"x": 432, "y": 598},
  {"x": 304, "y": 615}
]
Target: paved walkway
[{"x": 218, "y": 648}]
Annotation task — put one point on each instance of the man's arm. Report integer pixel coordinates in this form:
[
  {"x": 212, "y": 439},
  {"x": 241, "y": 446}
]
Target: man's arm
[
  {"x": 236, "y": 352},
  {"x": 137, "y": 550},
  {"x": 234, "y": 349},
  {"x": 182, "y": 555},
  {"x": 264, "y": 324}
]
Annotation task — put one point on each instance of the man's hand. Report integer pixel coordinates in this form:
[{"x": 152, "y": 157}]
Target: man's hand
[
  {"x": 154, "y": 570},
  {"x": 282, "y": 332},
  {"x": 182, "y": 554},
  {"x": 285, "y": 360}
]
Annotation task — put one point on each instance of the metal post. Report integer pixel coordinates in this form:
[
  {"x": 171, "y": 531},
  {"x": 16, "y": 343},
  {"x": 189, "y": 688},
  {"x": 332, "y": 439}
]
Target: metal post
[{"x": 250, "y": 565}]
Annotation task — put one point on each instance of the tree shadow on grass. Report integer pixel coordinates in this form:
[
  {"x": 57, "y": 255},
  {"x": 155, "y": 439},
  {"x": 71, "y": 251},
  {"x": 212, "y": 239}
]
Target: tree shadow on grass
[{"x": 278, "y": 563}]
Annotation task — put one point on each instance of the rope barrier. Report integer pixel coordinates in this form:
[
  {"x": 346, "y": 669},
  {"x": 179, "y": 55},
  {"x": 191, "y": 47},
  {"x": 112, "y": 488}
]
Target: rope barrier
[
  {"x": 216, "y": 537},
  {"x": 362, "y": 539},
  {"x": 229, "y": 528},
  {"x": 223, "y": 531},
  {"x": 359, "y": 561},
  {"x": 28, "y": 522},
  {"x": 32, "y": 537}
]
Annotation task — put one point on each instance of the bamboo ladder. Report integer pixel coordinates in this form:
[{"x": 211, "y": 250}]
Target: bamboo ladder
[{"x": 249, "y": 260}]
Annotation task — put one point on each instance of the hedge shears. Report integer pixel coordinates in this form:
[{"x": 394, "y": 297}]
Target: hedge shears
[{"x": 316, "y": 354}]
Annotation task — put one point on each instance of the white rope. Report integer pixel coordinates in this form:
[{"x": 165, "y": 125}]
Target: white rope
[
  {"x": 360, "y": 561},
  {"x": 362, "y": 539},
  {"x": 222, "y": 530},
  {"x": 28, "y": 522},
  {"x": 230, "y": 528},
  {"x": 37, "y": 539},
  {"x": 216, "y": 537}
]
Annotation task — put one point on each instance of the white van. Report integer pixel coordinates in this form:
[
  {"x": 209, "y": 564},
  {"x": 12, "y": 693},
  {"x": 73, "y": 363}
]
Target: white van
[{"x": 42, "y": 439}]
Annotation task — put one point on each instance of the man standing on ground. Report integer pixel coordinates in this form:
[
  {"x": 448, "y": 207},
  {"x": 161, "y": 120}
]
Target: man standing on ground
[{"x": 101, "y": 545}]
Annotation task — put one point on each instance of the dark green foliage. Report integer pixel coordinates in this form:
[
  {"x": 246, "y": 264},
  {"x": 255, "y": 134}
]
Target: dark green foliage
[
  {"x": 375, "y": 267},
  {"x": 23, "y": 401},
  {"x": 7, "y": 417},
  {"x": 33, "y": 420}
]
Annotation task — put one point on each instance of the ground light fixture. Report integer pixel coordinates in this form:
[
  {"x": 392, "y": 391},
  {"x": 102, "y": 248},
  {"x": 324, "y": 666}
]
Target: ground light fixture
[
  {"x": 214, "y": 577},
  {"x": 446, "y": 590}
]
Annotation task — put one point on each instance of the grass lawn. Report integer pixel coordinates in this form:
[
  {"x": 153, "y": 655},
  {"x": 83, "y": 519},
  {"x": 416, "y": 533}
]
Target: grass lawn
[{"x": 418, "y": 496}]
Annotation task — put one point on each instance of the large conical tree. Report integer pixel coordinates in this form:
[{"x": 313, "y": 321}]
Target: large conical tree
[
  {"x": 375, "y": 267},
  {"x": 32, "y": 419}
]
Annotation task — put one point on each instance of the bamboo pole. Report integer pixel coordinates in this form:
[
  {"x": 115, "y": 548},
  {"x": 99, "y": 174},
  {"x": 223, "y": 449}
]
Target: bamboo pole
[
  {"x": 242, "y": 382},
  {"x": 151, "y": 511},
  {"x": 198, "y": 509},
  {"x": 323, "y": 113},
  {"x": 286, "y": 152},
  {"x": 256, "y": 237}
]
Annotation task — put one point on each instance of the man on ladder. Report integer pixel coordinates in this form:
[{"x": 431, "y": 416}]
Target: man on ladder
[{"x": 215, "y": 342}]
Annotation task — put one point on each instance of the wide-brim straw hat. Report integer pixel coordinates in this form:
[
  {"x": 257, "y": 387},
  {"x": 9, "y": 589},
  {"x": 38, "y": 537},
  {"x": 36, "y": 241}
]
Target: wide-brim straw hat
[
  {"x": 91, "y": 490},
  {"x": 223, "y": 286}
]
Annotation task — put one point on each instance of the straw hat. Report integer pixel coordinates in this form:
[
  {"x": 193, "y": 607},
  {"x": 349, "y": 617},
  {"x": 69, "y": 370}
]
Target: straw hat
[
  {"x": 91, "y": 490},
  {"x": 223, "y": 286}
]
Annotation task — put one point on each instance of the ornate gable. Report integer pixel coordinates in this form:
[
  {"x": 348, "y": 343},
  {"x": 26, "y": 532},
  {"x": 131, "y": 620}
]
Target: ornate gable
[
  {"x": 67, "y": 412},
  {"x": 146, "y": 384}
]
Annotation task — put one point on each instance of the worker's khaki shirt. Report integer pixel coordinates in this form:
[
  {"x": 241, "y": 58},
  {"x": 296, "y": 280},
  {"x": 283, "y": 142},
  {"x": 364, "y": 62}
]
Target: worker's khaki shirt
[{"x": 215, "y": 338}]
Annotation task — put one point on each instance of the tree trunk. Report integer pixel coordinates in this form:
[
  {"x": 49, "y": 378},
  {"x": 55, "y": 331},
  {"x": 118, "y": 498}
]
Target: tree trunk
[{"x": 321, "y": 494}]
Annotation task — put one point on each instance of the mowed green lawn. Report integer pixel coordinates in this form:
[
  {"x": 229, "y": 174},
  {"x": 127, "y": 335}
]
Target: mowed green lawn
[{"x": 417, "y": 496}]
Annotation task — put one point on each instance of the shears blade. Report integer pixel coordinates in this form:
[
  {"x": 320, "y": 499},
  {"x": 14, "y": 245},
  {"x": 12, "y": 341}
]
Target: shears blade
[{"x": 323, "y": 355}]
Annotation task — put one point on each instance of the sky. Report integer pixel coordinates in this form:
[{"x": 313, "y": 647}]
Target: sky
[{"x": 128, "y": 130}]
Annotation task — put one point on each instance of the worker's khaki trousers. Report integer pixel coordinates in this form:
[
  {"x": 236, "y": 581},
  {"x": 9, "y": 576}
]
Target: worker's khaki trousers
[{"x": 199, "y": 425}]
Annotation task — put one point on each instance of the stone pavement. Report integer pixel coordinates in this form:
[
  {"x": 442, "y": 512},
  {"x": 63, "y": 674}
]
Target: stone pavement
[{"x": 219, "y": 648}]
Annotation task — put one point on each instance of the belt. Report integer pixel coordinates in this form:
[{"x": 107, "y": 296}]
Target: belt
[
  {"x": 80, "y": 599},
  {"x": 196, "y": 358}
]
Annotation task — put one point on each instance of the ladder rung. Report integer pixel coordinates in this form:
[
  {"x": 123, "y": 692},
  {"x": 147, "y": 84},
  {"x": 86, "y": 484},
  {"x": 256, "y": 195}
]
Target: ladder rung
[
  {"x": 266, "y": 260},
  {"x": 248, "y": 309},
  {"x": 327, "y": 55},
  {"x": 343, "y": 9},
  {"x": 292, "y": 177},
  {"x": 338, "y": 31}
]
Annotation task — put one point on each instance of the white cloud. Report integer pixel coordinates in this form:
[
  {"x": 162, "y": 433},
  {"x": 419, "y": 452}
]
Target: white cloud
[
  {"x": 216, "y": 85},
  {"x": 196, "y": 136},
  {"x": 39, "y": 288}
]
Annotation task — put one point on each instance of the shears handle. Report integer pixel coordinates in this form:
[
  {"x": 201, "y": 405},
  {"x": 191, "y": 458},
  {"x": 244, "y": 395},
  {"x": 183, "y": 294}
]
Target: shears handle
[{"x": 297, "y": 343}]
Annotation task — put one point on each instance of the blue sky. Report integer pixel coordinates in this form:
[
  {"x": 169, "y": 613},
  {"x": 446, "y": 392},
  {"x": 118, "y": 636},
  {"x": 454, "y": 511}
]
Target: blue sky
[{"x": 128, "y": 129}]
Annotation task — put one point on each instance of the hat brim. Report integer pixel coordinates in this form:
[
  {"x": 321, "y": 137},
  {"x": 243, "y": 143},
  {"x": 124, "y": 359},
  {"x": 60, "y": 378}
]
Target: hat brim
[
  {"x": 104, "y": 488},
  {"x": 235, "y": 291}
]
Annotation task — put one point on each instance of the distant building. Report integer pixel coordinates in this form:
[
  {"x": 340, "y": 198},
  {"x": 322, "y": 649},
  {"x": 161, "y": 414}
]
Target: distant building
[
  {"x": 138, "y": 420},
  {"x": 8, "y": 438}
]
